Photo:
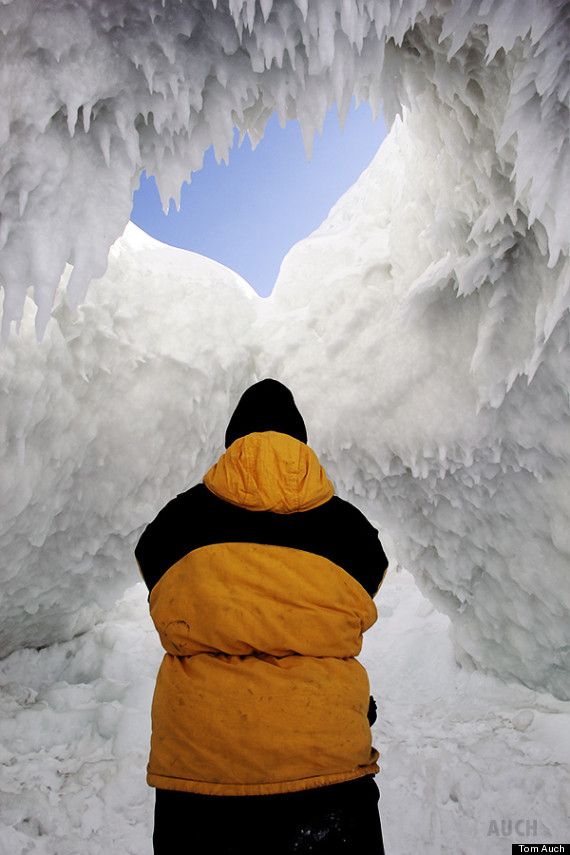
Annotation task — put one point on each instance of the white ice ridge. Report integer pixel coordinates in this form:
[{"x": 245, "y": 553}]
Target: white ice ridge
[
  {"x": 94, "y": 92},
  {"x": 119, "y": 408},
  {"x": 418, "y": 356},
  {"x": 424, "y": 328}
]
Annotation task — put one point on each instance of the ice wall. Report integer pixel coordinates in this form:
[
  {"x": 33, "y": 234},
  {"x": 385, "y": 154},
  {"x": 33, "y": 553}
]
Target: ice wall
[
  {"x": 117, "y": 410},
  {"x": 425, "y": 327}
]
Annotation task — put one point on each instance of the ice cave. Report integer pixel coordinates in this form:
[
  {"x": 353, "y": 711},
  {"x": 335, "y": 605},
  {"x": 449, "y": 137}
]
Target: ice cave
[{"x": 424, "y": 328}]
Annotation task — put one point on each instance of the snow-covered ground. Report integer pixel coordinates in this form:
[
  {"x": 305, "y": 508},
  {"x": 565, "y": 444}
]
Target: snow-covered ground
[{"x": 468, "y": 764}]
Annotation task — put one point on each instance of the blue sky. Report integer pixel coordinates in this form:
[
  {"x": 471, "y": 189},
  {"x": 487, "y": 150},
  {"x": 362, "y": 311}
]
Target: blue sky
[{"x": 248, "y": 214}]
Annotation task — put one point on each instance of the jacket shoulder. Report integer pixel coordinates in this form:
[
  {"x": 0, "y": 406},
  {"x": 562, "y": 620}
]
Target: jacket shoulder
[
  {"x": 169, "y": 536},
  {"x": 355, "y": 543}
]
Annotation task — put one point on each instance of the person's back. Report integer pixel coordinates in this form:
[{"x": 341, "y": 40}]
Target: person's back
[{"x": 261, "y": 584}]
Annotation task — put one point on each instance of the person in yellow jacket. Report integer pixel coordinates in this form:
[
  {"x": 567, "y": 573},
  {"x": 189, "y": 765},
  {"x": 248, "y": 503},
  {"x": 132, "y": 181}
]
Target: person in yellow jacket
[{"x": 261, "y": 585}]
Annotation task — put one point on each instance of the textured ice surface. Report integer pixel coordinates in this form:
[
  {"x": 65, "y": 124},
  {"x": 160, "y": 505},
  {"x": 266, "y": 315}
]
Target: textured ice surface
[
  {"x": 93, "y": 92},
  {"x": 418, "y": 355},
  {"x": 118, "y": 409},
  {"x": 424, "y": 328}
]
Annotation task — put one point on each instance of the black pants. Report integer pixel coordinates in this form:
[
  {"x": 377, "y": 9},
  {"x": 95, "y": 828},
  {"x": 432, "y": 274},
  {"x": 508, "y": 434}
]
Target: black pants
[{"x": 342, "y": 818}]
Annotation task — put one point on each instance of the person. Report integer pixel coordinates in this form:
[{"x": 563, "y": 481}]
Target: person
[{"x": 261, "y": 584}]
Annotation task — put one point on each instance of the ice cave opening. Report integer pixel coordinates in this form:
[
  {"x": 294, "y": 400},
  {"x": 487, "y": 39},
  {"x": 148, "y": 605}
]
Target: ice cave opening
[
  {"x": 248, "y": 212},
  {"x": 424, "y": 326}
]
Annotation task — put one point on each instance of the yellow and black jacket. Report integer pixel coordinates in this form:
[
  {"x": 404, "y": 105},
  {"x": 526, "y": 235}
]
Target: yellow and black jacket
[{"x": 261, "y": 584}]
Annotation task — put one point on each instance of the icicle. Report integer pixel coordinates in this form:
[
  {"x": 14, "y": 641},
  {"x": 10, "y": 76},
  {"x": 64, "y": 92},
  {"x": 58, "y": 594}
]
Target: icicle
[
  {"x": 308, "y": 133},
  {"x": 250, "y": 7},
  {"x": 235, "y": 7},
  {"x": 103, "y": 134},
  {"x": 266, "y": 7},
  {"x": 72, "y": 114},
  {"x": 303, "y": 7}
]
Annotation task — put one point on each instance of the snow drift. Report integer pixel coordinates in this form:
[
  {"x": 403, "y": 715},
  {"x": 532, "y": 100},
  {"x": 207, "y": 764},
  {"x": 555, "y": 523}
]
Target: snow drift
[{"x": 424, "y": 328}]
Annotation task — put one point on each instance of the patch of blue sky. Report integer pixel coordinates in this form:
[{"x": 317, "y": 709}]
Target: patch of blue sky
[{"x": 248, "y": 213}]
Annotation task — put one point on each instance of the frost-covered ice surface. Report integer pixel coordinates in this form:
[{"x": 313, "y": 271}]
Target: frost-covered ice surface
[
  {"x": 424, "y": 330},
  {"x": 93, "y": 92},
  {"x": 465, "y": 759},
  {"x": 116, "y": 410}
]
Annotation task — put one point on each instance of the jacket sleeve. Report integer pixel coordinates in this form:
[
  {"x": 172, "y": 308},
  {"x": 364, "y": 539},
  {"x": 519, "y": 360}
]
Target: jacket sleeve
[
  {"x": 374, "y": 560},
  {"x": 162, "y": 543},
  {"x": 355, "y": 545}
]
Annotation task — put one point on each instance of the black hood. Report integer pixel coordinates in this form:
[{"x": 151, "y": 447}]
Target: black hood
[{"x": 267, "y": 405}]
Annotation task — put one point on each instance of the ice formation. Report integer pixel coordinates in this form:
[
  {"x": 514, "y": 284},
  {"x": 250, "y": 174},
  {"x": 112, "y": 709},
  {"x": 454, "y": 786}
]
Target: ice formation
[
  {"x": 94, "y": 92},
  {"x": 424, "y": 327},
  {"x": 436, "y": 396},
  {"x": 119, "y": 408}
]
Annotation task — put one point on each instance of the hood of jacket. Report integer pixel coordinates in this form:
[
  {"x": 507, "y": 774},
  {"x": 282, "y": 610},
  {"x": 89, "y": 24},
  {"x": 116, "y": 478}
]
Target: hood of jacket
[{"x": 270, "y": 471}]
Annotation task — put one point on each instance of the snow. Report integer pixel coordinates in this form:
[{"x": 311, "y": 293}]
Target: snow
[
  {"x": 75, "y": 736},
  {"x": 462, "y": 754},
  {"x": 424, "y": 330},
  {"x": 466, "y": 760}
]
